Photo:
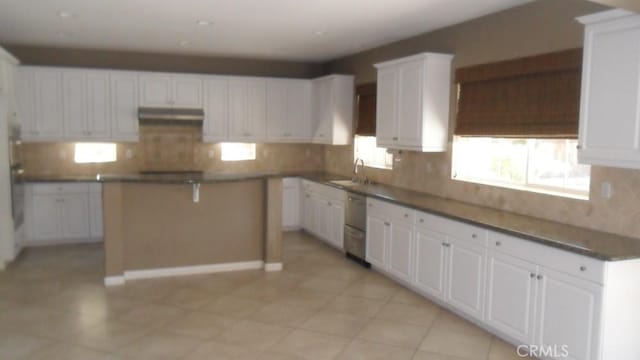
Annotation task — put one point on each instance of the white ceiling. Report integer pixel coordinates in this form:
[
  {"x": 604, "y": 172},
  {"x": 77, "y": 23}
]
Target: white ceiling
[{"x": 307, "y": 30}]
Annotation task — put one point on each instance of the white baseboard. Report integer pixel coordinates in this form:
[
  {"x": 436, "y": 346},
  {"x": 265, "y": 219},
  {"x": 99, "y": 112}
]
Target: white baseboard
[
  {"x": 273, "y": 267},
  {"x": 292, "y": 228},
  {"x": 182, "y": 271}
]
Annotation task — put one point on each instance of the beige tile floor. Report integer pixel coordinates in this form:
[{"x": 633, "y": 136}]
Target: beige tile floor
[{"x": 321, "y": 306}]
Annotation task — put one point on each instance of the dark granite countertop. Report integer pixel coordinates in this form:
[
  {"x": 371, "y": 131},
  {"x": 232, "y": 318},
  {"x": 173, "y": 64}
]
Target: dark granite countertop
[{"x": 591, "y": 243}]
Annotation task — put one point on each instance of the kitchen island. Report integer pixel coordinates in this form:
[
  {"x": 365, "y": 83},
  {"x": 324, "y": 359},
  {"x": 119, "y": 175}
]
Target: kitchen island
[{"x": 178, "y": 224}]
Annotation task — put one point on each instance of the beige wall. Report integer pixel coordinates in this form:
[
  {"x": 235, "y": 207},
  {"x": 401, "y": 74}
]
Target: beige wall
[
  {"x": 538, "y": 27},
  {"x": 128, "y": 60}
]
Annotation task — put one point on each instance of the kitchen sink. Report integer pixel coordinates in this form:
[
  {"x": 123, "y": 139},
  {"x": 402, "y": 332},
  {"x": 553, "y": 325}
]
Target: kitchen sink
[{"x": 345, "y": 183}]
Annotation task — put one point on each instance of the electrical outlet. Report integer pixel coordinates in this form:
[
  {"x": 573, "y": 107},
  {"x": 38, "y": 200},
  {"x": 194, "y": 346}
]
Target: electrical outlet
[
  {"x": 429, "y": 167},
  {"x": 211, "y": 153},
  {"x": 128, "y": 154}
]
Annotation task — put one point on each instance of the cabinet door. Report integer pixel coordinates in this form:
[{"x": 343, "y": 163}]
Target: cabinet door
[
  {"x": 308, "y": 219},
  {"x": 322, "y": 111},
  {"x": 290, "y": 206},
  {"x": 410, "y": 98},
  {"x": 75, "y": 104},
  {"x": 216, "y": 111},
  {"x": 611, "y": 90},
  {"x": 238, "y": 110},
  {"x": 465, "y": 277},
  {"x": 156, "y": 90},
  {"x": 430, "y": 262},
  {"x": 336, "y": 225},
  {"x": 124, "y": 106},
  {"x": 511, "y": 294},
  {"x": 98, "y": 106},
  {"x": 26, "y": 102},
  {"x": 49, "y": 103},
  {"x": 569, "y": 314},
  {"x": 401, "y": 251},
  {"x": 46, "y": 217},
  {"x": 377, "y": 234},
  {"x": 75, "y": 216},
  {"x": 387, "y": 107},
  {"x": 277, "y": 117},
  {"x": 257, "y": 109},
  {"x": 187, "y": 92},
  {"x": 298, "y": 110},
  {"x": 321, "y": 215}
]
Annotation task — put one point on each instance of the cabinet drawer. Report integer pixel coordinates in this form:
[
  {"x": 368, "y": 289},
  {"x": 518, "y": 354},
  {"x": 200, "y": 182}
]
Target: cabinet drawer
[
  {"x": 325, "y": 191},
  {"x": 60, "y": 188},
  {"x": 388, "y": 210},
  {"x": 574, "y": 264},
  {"x": 455, "y": 229}
]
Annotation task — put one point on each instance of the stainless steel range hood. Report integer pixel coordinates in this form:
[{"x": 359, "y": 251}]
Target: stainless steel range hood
[{"x": 170, "y": 116}]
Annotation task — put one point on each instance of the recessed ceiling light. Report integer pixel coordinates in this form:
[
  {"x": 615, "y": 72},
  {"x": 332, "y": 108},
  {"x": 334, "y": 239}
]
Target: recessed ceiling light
[
  {"x": 65, "y": 14},
  {"x": 204, "y": 22},
  {"x": 184, "y": 42},
  {"x": 320, "y": 32}
]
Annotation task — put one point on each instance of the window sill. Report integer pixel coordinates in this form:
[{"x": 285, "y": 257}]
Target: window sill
[{"x": 557, "y": 193}]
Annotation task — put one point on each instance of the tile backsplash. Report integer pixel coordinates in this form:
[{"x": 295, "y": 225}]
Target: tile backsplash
[
  {"x": 170, "y": 148},
  {"x": 431, "y": 173}
]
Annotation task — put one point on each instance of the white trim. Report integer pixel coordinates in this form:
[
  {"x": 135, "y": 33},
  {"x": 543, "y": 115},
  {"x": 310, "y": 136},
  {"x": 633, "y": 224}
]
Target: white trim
[
  {"x": 182, "y": 271},
  {"x": 606, "y": 15},
  {"x": 113, "y": 280},
  {"x": 4, "y": 54},
  {"x": 273, "y": 267}
]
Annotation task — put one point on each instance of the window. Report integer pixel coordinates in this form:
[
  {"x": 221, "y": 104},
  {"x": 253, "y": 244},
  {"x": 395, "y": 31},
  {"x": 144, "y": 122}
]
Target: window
[
  {"x": 94, "y": 153},
  {"x": 540, "y": 165},
  {"x": 364, "y": 147},
  {"x": 237, "y": 151}
]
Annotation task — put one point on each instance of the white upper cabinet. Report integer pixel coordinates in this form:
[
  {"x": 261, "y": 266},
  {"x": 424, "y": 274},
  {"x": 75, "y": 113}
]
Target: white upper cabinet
[
  {"x": 609, "y": 118},
  {"x": 171, "y": 90},
  {"x": 40, "y": 103},
  {"x": 332, "y": 109},
  {"x": 216, "y": 109},
  {"x": 86, "y": 105},
  {"x": 288, "y": 110},
  {"x": 247, "y": 110},
  {"x": 124, "y": 106},
  {"x": 413, "y": 102}
]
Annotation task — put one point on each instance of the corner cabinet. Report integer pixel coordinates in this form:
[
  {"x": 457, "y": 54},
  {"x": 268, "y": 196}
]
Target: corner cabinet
[
  {"x": 609, "y": 132},
  {"x": 413, "y": 102},
  {"x": 323, "y": 212},
  {"x": 332, "y": 109}
]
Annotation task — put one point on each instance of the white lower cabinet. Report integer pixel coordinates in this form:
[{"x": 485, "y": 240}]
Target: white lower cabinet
[
  {"x": 323, "y": 212},
  {"x": 465, "y": 277},
  {"x": 63, "y": 213},
  {"x": 511, "y": 294},
  {"x": 569, "y": 315},
  {"x": 564, "y": 305}
]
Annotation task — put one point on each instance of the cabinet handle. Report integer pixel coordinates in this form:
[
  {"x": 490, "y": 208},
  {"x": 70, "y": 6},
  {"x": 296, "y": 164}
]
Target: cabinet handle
[
  {"x": 395, "y": 138},
  {"x": 578, "y": 147},
  {"x": 444, "y": 244},
  {"x": 532, "y": 275},
  {"x": 583, "y": 268},
  {"x": 498, "y": 243},
  {"x": 307, "y": 195},
  {"x": 406, "y": 215},
  {"x": 329, "y": 203},
  {"x": 539, "y": 277},
  {"x": 370, "y": 205},
  {"x": 475, "y": 236},
  {"x": 387, "y": 224},
  {"x": 421, "y": 220}
]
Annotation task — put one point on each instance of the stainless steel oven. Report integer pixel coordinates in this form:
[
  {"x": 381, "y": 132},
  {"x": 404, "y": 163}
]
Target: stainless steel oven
[{"x": 355, "y": 236}]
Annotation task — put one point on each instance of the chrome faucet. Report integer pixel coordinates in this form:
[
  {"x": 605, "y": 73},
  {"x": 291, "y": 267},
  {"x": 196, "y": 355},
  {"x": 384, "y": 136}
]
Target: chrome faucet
[{"x": 356, "y": 173}]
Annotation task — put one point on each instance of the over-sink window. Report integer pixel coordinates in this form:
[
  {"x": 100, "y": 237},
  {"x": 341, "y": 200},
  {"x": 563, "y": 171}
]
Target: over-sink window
[
  {"x": 364, "y": 147},
  {"x": 539, "y": 165},
  {"x": 237, "y": 151},
  {"x": 95, "y": 153}
]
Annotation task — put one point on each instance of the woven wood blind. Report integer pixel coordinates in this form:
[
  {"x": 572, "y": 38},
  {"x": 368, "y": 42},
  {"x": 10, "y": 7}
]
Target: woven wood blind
[
  {"x": 532, "y": 97},
  {"x": 366, "y": 95}
]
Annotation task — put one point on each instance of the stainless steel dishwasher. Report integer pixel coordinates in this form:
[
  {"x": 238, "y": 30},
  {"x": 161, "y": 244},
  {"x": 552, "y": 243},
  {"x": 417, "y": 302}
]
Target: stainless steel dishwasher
[{"x": 355, "y": 227}]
